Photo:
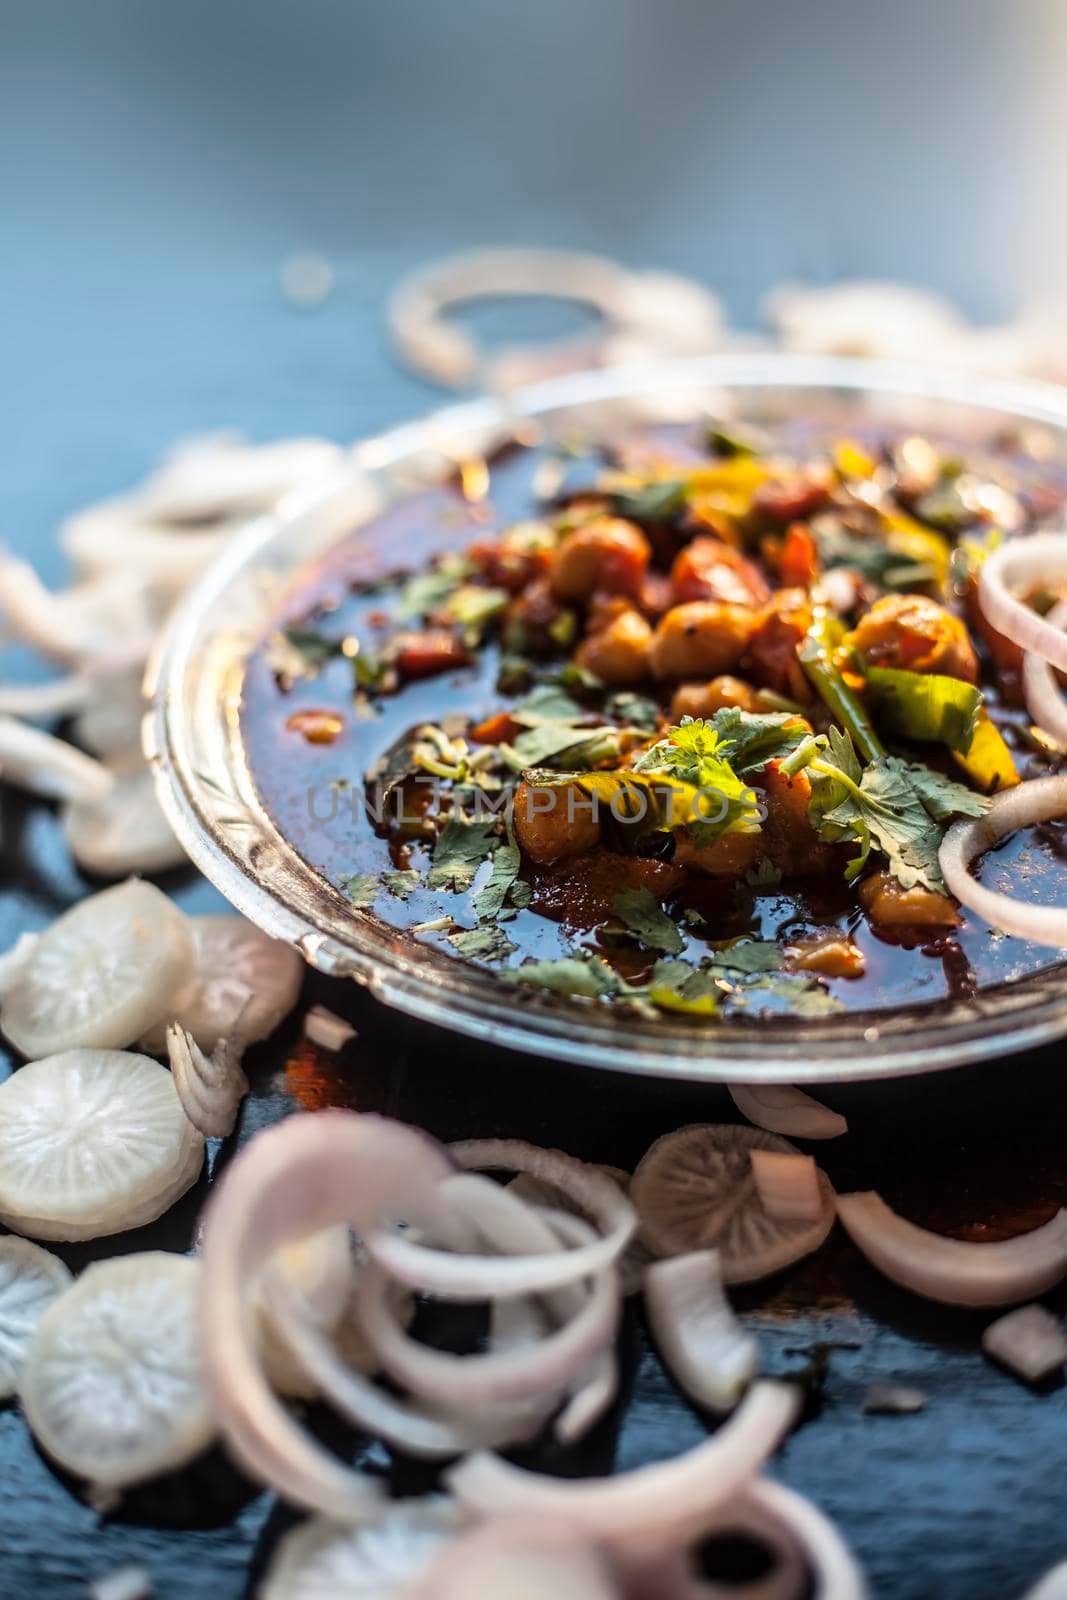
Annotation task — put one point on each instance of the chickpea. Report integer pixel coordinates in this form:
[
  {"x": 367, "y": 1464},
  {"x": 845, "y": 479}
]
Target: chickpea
[
  {"x": 889, "y": 905},
  {"x": 704, "y": 699},
  {"x": 554, "y": 823},
  {"x": 703, "y": 638},
  {"x": 730, "y": 856},
  {"x": 618, "y": 654},
  {"x": 914, "y": 634},
  {"x": 608, "y": 554}
]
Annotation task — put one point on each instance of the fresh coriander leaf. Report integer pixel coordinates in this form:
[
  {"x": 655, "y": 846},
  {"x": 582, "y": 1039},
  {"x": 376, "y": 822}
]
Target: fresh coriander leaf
[
  {"x": 547, "y": 703},
  {"x": 460, "y": 849},
  {"x": 747, "y": 957},
  {"x": 474, "y": 607},
  {"x": 692, "y": 752},
  {"x": 944, "y": 797},
  {"x": 634, "y": 709},
  {"x": 728, "y": 443},
  {"x": 764, "y": 875},
  {"x": 679, "y": 986},
  {"x": 572, "y": 676},
  {"x": 488, "y": 901},
  {"x": 520, "y": 894},
  {"x": 569, "y": 975},
  {"x": 748, "y": 739},
  {"x": 401, "y": 883},
  {"x": 362, "y": 888},
  {"x": 428, "y": 591},
  {"x": 647, "y": 921},
  {"x": 544, "y": 742},
  {"x": 486, "y": 943},
  {"x": 298, "y": 652},
  {"x": 652, "y": 502}
]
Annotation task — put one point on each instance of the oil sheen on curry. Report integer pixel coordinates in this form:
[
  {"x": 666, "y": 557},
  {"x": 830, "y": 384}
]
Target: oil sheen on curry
[{"x": 676, "y": 724}]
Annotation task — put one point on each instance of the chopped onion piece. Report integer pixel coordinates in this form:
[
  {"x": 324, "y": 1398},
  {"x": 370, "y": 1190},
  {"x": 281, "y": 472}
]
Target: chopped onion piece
[
  {"x": 782, "y": 1109},
  {"x": 653, "y": 1508},
  {"x": 323, "y": 1560},
  {"x": 60, "y": 697},
  {"x": 1039, "y": 800},
  {"x": 1030, "y": 1341},
  {"x": 113, "y": 1383},
  {"x": 210, "y": 1088},
  {"x": 703, "y": 1345},
  {"x": 695, "y": 1190},
  {"x": 953, "y": 1271},
  {"x": 1022, "y": 565},
  {"x": 893, "y": 1400},
  {"x": 1044, "y": 699},
  {"x": 131, "y": 1582},
  {"x": 38, "y": 761},
  {"x": 788, "y": 1186},
  {"x": 326, "y": 1029}
]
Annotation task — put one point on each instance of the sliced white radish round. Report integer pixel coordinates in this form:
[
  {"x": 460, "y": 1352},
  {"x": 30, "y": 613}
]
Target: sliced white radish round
[
  {"x": 30, "y": 1279},
  {"x": 92, "y": 1142},
  {"x": 243, "y": 984},
  {"x": 125, "y": 830},
  {"x": 12, "y": 961},
  {"x": 695, "y": 1190},
  {"x": 323, "y": 1560},
  {"x": 321, "y": 1272},
  {"x": 101, "y": 974},
  {"x": 112, "y": 1386}
]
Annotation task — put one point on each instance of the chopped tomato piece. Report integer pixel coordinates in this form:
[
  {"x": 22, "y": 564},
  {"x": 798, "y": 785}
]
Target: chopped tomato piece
[
  {"x": 499, "y": 729},
  {"x": 788, "y": 499},
  {"x": 798, "y": 562},
  {"x": 707, "y": 569},
  {"x": 425, "y": 654}
]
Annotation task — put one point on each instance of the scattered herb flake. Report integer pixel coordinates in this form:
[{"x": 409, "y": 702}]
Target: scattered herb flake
[
  {"x": 362, "y": 888},
  {"x": 460, "y": 849},
  {"x": 647, "y": 921},
  {"x": 401, "y": 883},
  {"x": 486, "y": 943},
  {"x": 488, "y": 901},
  {"x": 569, "y": 975}
]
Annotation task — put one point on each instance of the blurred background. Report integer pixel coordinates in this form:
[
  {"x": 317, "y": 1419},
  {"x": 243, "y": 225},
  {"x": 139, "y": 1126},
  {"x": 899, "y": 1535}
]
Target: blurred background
[{"x": 161, "y": 161}]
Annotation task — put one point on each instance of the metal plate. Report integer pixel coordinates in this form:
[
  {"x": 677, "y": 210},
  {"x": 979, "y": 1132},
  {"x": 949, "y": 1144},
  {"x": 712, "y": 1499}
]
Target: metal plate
[{"x": 193, "y": 733}]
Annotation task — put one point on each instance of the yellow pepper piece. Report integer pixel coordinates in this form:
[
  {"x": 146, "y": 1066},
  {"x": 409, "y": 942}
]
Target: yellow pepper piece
[
  {"x": 908, "y": 538},
  {"x": 852, "y": 460},
  {"x": 988, "y": 763}
]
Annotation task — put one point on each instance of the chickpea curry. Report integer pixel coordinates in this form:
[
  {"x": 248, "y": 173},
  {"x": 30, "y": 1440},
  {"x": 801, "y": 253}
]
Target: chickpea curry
[{"x": 678, "y": 724}]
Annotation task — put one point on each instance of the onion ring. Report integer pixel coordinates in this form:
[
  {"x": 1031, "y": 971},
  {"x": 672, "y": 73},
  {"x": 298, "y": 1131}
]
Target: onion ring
[
  {"x": 655, "y": 1507},
  {"x": 1044, "y": 701},
  {"x": 291, "y": 1180},
  {"x": 954, "y": 1271},
  {"x": 703, "y": 1346},
  {"x": 1038, "y": 800},
  {"x": 467, "y": 1277},
  {"x": 442, "y": 1379},
  {"x": 1018, "y": 564},
  {"x": 833, "y": 1566}
]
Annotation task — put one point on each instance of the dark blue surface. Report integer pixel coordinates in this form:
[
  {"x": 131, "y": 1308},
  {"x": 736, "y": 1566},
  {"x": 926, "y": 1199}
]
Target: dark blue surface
[{"x": 158, "y": 161}]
